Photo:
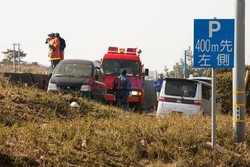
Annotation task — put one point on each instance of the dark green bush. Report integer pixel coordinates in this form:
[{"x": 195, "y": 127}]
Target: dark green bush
[{"x": 224, "y": 91}]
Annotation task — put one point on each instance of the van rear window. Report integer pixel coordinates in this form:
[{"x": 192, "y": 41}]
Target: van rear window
[{"x": 183, "y": 88}]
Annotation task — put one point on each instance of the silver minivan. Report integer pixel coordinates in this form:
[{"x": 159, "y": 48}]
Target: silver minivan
[{"x": 184, "y": 96}]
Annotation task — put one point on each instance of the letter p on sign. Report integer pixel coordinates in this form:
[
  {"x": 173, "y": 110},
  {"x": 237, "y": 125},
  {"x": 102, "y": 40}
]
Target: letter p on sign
[{"x": 212, "y": 28}]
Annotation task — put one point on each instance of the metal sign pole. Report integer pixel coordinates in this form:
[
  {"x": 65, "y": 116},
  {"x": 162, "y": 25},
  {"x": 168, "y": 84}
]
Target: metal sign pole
[
  {"x": 214, "y": 114},
  {"x": 213, "y": 107}
]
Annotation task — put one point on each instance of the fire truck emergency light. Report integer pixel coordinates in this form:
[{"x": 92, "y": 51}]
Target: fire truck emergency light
[
  {"x": 113, "y": 50},
  {"x": 122, "y": 50},
  {"x": 131, "y": 50}
]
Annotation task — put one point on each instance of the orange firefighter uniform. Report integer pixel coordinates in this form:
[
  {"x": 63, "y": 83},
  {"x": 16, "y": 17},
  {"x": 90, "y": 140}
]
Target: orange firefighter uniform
[{"x": 54, "y": 50}]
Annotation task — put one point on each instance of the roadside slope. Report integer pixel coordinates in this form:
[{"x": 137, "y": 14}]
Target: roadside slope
[{"x": 37, "y": 128}]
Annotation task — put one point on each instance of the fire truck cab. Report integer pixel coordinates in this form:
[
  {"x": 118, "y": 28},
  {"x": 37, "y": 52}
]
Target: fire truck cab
[{"x": 128, "y": 59}]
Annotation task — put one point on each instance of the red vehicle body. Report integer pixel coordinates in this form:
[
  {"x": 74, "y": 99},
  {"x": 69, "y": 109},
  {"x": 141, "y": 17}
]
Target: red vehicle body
[{"x": 113, "y": 62}]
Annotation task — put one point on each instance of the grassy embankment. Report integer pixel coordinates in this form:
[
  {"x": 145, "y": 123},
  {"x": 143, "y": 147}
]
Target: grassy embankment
[
  {"x": 37, "y": 128},
  {"x": 29, "y": 68}
]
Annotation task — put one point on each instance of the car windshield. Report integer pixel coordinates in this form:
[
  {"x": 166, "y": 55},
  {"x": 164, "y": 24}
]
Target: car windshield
[
  {"x": 183, "y": 88},
  {"x": 73, "y": 70},
  {"x": 115, "y": 66}
]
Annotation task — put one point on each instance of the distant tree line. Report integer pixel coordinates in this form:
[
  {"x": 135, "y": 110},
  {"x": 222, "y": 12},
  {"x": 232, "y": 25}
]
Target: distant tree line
[
  {"x": 8, "y": 57},
  {"x": 178, "y": 70}
]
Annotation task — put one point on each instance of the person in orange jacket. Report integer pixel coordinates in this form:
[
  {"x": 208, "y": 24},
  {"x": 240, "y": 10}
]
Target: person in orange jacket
[{"x": 54, "y": 50}]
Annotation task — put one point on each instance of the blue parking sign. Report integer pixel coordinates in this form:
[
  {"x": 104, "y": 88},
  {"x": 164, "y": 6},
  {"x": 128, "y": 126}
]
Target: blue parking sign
[{"x": 214, "y": 43}]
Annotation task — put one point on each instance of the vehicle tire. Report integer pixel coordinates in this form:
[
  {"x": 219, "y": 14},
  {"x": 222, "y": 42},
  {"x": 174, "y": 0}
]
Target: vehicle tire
[
  {"x": 104, "y": 101},
  {"x": 139, "y": 108}
]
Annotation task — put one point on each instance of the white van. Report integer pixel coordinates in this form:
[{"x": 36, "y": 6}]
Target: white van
[
  {"x": 204, "y": 79},
  {"x": 184, "y": 96}
]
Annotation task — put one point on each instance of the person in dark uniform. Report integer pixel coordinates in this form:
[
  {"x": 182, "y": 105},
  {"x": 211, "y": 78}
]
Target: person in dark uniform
[
  {"x": 122, "y": 87},
  {"x": 62, "y": 45}
]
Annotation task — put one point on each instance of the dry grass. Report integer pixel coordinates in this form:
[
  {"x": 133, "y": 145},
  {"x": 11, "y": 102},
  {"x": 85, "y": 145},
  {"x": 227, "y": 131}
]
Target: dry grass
[
  {"x": 35, "y": 69},
  {"x": 40, "y": 129}
]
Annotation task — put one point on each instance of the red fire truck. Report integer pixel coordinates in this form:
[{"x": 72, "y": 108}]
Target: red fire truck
[{"x": 128, "y": 59}]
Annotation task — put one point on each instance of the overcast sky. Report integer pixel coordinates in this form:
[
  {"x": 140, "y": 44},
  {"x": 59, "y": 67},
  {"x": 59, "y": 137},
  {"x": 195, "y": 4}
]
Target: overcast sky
[{"x": 162, "y": 29}]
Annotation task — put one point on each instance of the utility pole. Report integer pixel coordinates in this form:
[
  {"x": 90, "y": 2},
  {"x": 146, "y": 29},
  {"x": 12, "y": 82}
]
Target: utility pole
[
  {"x": 176, "y": 72},
  {"x": 18, "y": 57},
  {"x": 185, "y": 63},
  {"x": 188, "y": 55},
  {"x": 239, "y": 104},
  {"x": 14, "y": 57}
]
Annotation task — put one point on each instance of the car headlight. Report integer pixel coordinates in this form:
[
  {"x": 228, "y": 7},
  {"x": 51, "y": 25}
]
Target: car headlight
[
  {"x": 52, "y": 87},
  {"x": 85, "y": 88},
  {"x": 136, "y": 93}
]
